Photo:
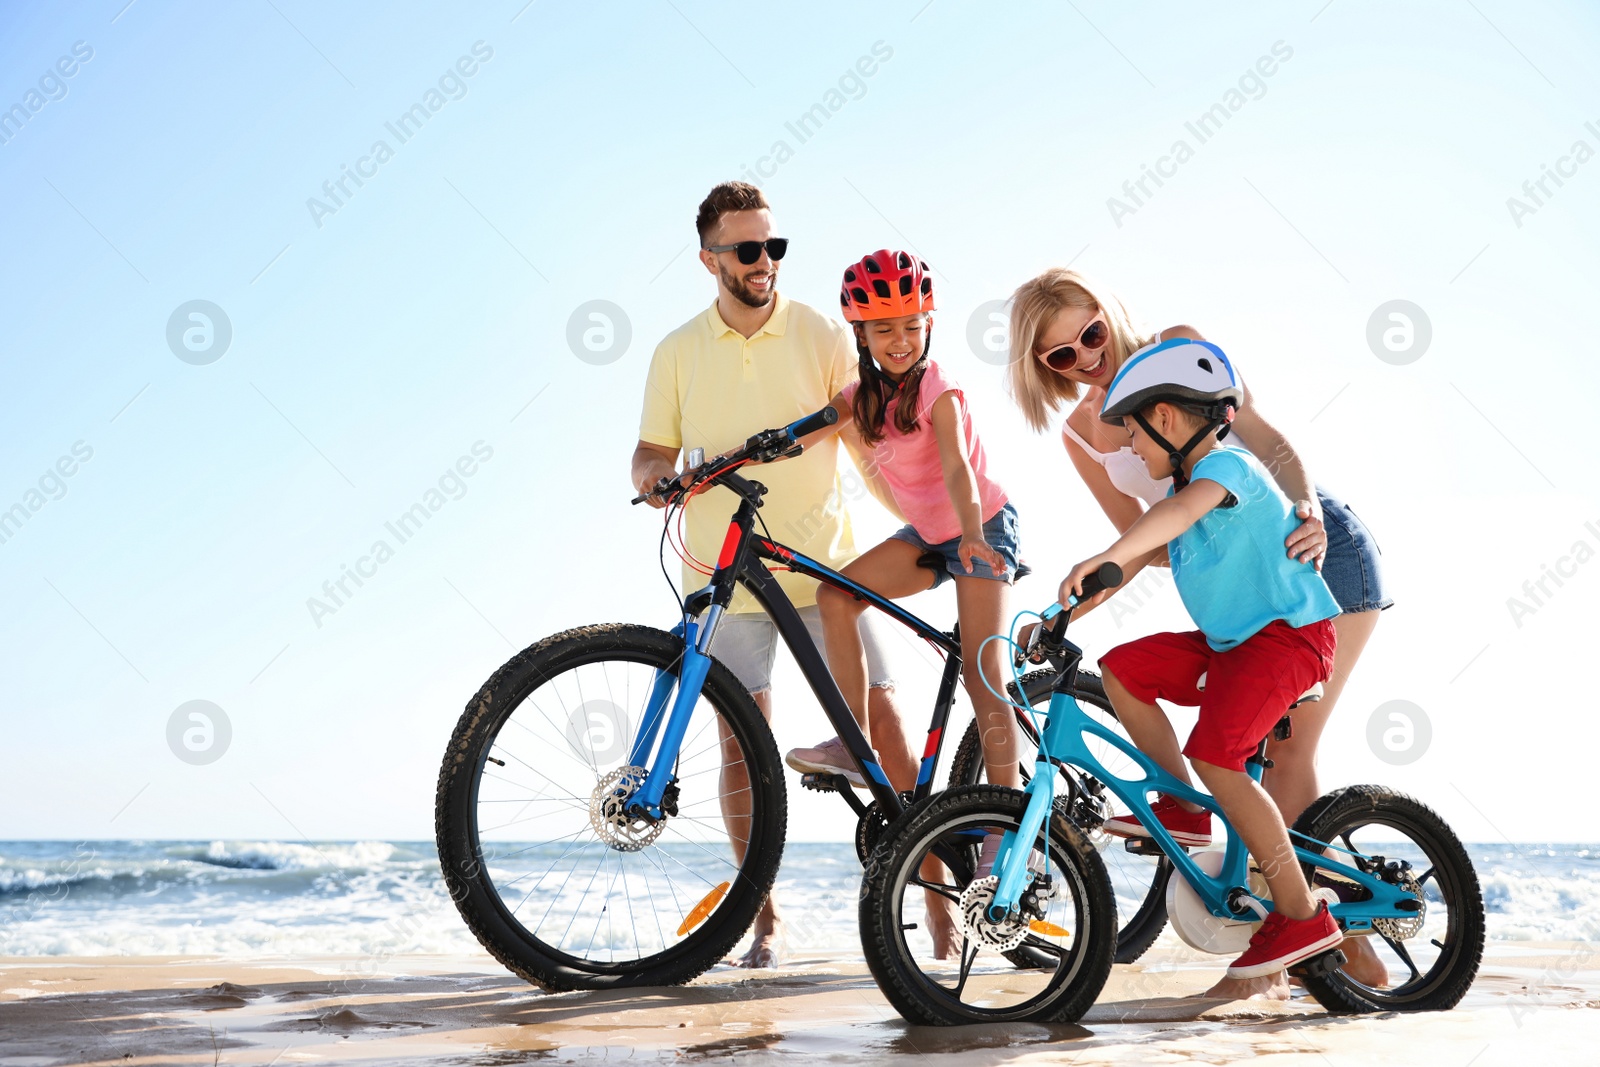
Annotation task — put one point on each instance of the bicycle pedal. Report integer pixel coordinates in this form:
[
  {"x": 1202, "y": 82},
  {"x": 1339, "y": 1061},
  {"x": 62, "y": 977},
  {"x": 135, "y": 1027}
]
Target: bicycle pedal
[
  {"x": 1144, "y": 846},
  {"x": 1319, "y": 965},
  {"x": 826, "y": 783}
]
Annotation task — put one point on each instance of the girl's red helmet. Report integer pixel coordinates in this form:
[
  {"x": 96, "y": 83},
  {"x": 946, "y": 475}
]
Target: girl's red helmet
[{"x": 886, "y": 285}]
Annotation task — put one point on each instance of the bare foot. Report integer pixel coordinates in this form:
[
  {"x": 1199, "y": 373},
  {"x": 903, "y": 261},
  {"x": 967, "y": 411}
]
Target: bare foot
[
  {"x": 944, "y": 925},
  {"x": 768, "y": 946},
  {"x": 766, "y": 952},
  {"x": 1268, "y": 987},
  {"x": 1364, "y": 966}
]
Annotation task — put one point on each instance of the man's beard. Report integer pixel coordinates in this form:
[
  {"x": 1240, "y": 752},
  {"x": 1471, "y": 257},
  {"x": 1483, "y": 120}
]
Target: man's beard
[{"x": 742, "y": 292}]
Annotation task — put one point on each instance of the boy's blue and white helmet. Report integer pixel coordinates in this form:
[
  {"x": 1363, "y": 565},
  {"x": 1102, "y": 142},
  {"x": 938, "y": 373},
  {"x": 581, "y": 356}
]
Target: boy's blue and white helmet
[{"x": 1194, "y": 374}]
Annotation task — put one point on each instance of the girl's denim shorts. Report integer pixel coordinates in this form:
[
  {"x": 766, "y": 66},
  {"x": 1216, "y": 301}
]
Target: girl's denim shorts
[{"x": 1001, "y": 533}]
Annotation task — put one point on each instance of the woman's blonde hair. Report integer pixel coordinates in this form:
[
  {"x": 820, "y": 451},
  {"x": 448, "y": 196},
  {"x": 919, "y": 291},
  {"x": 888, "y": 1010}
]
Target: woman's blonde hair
[{"x": 1038, "y": 390}]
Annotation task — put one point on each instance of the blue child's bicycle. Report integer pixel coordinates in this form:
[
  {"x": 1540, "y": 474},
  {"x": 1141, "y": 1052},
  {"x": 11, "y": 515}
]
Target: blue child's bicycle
[{"x": 1390, "y": 868}]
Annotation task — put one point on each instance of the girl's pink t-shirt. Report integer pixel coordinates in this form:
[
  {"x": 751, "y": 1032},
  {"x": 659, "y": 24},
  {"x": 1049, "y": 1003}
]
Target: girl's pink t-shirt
[{"x": 910, "y": 463}]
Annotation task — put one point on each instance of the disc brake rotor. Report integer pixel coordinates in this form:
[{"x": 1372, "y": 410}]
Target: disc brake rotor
[
  {"x": 608, "y": 811},
  {"x": 1411, "y": 925},
  {"x": 975, "y": 900}
]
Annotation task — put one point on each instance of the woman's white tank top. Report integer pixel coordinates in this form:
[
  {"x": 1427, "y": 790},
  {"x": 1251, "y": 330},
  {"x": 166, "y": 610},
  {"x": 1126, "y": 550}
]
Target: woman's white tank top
[{"x": 1125, "y": 469}]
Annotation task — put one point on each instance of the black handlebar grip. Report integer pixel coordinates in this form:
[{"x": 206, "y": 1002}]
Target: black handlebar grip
[
  {"x": 812, "y": 423},
  {"x": 1109, "y": 576}
]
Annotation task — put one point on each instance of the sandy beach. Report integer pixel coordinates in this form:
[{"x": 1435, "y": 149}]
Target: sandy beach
[{"x": 1532, "y": 1002}]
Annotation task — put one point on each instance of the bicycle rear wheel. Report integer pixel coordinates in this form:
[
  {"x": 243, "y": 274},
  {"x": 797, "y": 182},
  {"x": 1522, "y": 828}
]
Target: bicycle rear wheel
[
  {"x": 1432, "y": 954},
  {"x": 1139, "y": 882},
  {"x": 555, "y": 883}
]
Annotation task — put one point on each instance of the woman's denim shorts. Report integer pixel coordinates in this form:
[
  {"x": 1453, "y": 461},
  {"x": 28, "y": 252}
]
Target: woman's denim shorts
[
  {"x": 1001, "y": 533},
  {"x": 1352, "y": 567}
]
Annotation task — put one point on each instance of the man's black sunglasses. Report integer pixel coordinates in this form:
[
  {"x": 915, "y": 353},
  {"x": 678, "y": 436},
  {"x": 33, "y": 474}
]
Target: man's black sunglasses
[{"x": 750, "y": 251}]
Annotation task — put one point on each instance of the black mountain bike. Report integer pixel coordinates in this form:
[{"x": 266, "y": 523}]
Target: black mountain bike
[{"x": 611, "y": 808}]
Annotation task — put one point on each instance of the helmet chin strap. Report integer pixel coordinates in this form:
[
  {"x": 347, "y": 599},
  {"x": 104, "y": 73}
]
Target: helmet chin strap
[{"x": 1178, "y": 455}]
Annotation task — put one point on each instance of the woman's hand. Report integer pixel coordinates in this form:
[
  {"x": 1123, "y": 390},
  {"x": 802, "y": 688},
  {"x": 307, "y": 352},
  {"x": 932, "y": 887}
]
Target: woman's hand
[
  {"x": 972, "y": 548},
  {"x": 1072, "y": 584},
  {"x": 1309, "y": 541}
]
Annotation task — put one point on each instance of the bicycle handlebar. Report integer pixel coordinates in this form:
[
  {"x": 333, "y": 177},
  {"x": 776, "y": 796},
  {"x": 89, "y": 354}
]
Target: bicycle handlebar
[
  {"x": 812, "y": 423},
  {"x": 763, "y": 447},
  {"x": 1053, "y": 626},
  {"x": 1109, "y": 576}
]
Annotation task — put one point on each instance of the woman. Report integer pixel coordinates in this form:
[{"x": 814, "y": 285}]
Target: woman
[{"x": 1070, "y": 338}]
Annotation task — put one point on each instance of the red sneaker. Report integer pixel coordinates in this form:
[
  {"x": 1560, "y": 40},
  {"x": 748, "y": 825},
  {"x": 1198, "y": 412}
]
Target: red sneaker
[
  {"x": 1283, "y": 942},
  {"x": 1186, "y": 827}
]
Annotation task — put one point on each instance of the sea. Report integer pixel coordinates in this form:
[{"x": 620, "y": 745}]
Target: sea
[{"x": 279, "y": 898}]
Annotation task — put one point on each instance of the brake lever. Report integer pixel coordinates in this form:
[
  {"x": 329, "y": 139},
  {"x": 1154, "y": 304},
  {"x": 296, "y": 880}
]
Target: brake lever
[{"x": 662, "y": 487}]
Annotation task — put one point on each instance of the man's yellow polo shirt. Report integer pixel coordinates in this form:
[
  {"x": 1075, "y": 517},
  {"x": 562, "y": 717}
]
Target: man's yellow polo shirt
[{"x": 709, "y": 387}]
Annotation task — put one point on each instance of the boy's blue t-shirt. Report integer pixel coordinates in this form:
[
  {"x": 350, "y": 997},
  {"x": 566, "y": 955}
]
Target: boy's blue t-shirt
[{"x": 1231, "y": 568}]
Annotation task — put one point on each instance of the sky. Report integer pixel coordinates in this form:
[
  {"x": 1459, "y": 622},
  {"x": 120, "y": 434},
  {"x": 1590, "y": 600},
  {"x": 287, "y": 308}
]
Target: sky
[{"x": 187, "y": 485}]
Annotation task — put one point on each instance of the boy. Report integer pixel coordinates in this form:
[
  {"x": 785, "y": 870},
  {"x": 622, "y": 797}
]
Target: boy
[{"x": 1265, "y": 633}]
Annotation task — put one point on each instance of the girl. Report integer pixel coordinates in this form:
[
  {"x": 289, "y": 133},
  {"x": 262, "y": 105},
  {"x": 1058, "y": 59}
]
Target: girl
[
  {"x": 1067, "y": 335},
  {"x": 908, "y": 424}
]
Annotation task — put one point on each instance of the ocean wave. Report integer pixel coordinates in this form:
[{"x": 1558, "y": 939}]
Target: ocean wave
[
  {"x": 374, "y": 899},
  {"x": 290, "y": 856}
]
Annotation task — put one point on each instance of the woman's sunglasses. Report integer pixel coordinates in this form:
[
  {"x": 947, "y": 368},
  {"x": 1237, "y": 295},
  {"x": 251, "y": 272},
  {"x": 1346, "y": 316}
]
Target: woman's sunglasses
[
  {"x": 750, "y": 251},
  {"x": 1065, "y": 357}
]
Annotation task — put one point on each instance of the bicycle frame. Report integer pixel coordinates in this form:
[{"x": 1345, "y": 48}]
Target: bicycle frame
[
  {"x": 742, "y": 562},
  {"x": 1063, "y": 741}
]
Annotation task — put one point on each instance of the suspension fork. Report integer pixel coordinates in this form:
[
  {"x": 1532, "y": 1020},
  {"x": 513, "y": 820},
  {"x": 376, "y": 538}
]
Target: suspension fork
[{"x": 694, "y": 665}]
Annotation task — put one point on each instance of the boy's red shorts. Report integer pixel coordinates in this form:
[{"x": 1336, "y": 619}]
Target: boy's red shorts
[{"x": 1248, "y": 688}]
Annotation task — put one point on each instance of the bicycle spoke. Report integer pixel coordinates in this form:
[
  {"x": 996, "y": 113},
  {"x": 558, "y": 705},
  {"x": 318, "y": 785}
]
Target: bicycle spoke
[
  {"x": 1405, "y": 956},
  {"x": 703, "y": 879},
  {"x": 708, "y": 852},
  {"x": 966, "y": 966},
  {"x": 1036, "y": 942}
]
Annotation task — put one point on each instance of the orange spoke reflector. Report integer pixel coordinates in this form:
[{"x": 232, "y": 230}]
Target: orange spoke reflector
[
  {"x": 1039, "y": 926},
  {"x": 698, "y": 913}
]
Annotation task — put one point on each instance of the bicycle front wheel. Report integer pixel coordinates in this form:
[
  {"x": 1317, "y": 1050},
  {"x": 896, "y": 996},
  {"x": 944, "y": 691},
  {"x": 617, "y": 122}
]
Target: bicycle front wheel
[
  {"x": 549, "y": 873},
  {"x": 1138, "y": 881},
  {"x": 923, "y": 916}
]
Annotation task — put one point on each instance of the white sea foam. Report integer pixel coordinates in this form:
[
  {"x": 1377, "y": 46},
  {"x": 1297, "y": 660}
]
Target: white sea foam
[{"x": 374, "y": 899}]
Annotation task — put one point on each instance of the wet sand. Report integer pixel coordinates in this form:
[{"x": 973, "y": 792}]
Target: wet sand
[{"x": 1532, "y": 1003}]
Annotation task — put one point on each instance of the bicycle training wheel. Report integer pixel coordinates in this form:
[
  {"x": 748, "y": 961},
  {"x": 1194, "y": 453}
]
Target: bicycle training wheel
[
  {"x": 551, "y": 876},
  {"x": 1067, "y": 916},
  {"x": 1432, "y": 954},
  {"x": 1139, "y": 882}
]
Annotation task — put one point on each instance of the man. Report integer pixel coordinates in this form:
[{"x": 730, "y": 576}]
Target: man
[{"x": 753, "y": 360}]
